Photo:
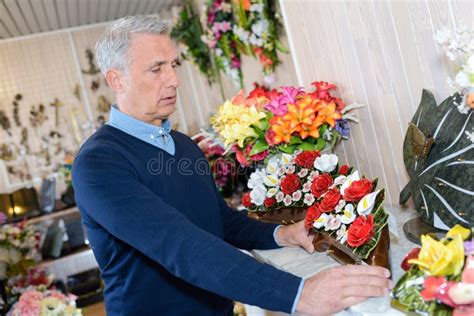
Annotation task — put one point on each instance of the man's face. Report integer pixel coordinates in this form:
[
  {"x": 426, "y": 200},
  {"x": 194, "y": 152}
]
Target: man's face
[{"x": 149, "y": 91}]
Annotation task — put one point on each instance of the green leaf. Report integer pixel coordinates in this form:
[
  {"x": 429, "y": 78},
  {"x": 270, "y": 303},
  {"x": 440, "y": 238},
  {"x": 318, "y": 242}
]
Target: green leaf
[
  {"x": 307, "y": 146},
  {"x": 287, "y": 149},
  {"x": 320, "y": 144},
  {"x": 295, "y": 140},
  {"x": 258, "y": 131},
  {"x": 258, "y": 147}
]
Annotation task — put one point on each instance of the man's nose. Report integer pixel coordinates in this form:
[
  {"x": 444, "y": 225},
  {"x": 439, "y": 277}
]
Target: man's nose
[{"x": 172, "y": 80}]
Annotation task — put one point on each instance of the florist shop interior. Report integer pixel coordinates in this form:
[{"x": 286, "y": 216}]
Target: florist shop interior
[{"x": 352, "y": 117}]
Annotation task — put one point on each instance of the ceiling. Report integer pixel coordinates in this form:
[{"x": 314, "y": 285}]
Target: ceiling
[{"x": 23, "y": 17}]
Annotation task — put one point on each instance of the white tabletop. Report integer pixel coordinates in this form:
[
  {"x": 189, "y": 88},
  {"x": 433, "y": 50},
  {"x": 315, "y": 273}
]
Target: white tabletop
[{"x": 300, "y": 263}]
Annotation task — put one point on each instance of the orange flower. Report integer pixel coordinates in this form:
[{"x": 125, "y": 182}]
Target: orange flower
[
  {"x": 282, "y": 130},
  {"x": 327, "y": 113},
  {"x": 244, "y": 3}
]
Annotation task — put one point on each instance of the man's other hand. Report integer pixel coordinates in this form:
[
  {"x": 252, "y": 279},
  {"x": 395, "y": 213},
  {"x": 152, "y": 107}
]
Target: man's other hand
[
  {"x": 295, "y": 235},
  {"x": 335, "y": 289}
]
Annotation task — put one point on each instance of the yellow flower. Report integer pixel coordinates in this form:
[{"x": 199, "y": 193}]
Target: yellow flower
[
  {"x": 234, "y": 122},
  {"x": 439, "y": 259},
  {"x": 458, "y": 229}
]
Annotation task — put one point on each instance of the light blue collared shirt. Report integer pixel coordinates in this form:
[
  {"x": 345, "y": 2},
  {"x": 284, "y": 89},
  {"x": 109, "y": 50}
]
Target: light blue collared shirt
[{"x": 158, "y": 136}]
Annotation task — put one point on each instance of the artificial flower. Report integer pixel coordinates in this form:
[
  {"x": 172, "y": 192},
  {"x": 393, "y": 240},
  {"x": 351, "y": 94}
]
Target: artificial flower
[
  {"x": 303, "y": 173},
  {"x": 320, "y": 184},
  {"x": 344, "y": 170},
  {"x": 461, "y": 293},
  {"x": 280, "y": 196},
  {"x": 312, "y": 214},
  {"x": 327, "y": 113},
  {"x": 357, "y": 190},
  {"x": 269, "y": 201},
  {"x": 459, "y": 230},
  {"x": 272, "y": 192},
  {"x": 326, "y": 163},
  {"x": 258, "y": 195},
  {"x": 414, "y": 253},
  {"x": 246, "y": 200},
  {"x": 321, "y": 221},
  {"x": 322, "y": 89},
  {"x": 348, "y": 215},
  {"x": 290, "y": 183},
  {"x": 342, "y": 126},
  {"x": 366, "y": 204},
  {"x": 361, "y": 231},
  {"x": 333, "y": 223},
  {"x": 306, "y": 158},
  {"x": 430, "y": 287},
  {"x": 330, "y": 200},
  {"x": 348, "y": 181},
  {"x": 297, "y": 195},
  {"x": 287, "y": 200},
  {"x": 341, "y": 234},
  {"x": 282, "y": 130},
  {"x": 439, "y": 259},
  {"x": 270, "y": 180},
  {"x": 309, "y": 199}
]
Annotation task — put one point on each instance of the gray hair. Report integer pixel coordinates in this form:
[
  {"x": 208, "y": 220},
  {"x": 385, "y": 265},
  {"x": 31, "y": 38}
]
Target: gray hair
[{"x": 112, "y": 47}]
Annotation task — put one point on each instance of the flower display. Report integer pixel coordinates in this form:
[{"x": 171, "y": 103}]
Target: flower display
[
  {"x": 459, "y": 46},
  {"x": 19, "y": 249},
  {"x": 282, "y": 120},
  {"x": 439, "y": 277},
  {"x": 312, "y": 181},
  {"x": 256, "y": 29},
  {"x": 220, "y": 37},
  {"x": 45, "y": 303}
]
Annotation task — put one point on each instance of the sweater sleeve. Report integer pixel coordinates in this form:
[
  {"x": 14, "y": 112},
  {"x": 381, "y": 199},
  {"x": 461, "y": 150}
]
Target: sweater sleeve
[
  {"x": 109, "y": 191},
  {"x": 244, "y": 232}
]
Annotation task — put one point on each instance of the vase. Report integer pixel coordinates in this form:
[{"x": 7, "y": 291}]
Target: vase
[
  {"x": 379, "y": 256},
  {"x": 283, "y": 216}
]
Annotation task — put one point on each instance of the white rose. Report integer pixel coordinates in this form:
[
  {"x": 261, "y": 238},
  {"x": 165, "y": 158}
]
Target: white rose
[
  {"x": 280, "y": 196},
  {"x": 309, "y": 199},
  {"x": 296, "y": 196},
  {"x": 258, "y": 194},
  {"x": 333, "y": 223},
  {"x": 256, "y": 179},
  {"x": 326, "y": 163}
]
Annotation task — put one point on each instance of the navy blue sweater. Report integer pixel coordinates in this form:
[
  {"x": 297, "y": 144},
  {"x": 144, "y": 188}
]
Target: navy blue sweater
[{"x": 164, "y": 238}]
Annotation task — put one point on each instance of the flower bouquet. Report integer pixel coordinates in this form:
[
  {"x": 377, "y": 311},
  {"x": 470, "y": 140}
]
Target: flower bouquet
[
  {"x": 35, "y": 302},
  {"x": 440, "y": 276},
  {"x": 287, "y": 119},
  {"x": 343, "y": 209}
]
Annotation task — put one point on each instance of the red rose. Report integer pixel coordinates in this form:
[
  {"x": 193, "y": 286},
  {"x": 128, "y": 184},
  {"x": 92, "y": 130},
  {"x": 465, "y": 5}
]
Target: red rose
[
  {"x": 270, "y": 137},
  {"x": 320, "y": 184},
  {"x": 269, "y": 202},
  {"x": 344, "y": 169},
  {"x": 247, "y": 200},
  {"x": 360, "y": 231},
  {"x": 306, "y": 158},
  {"x": 330, "y": 200},
  {"x": 290, "y": 183},
  {"x": 357, "y": 190},
  {"x": 312, "y": 214}
]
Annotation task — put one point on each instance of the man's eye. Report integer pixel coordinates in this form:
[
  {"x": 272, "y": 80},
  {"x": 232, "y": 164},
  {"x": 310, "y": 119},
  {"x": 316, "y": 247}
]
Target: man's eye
[
  {"x": 176, "y": 65},
  {"x": 156, "y": 70}
]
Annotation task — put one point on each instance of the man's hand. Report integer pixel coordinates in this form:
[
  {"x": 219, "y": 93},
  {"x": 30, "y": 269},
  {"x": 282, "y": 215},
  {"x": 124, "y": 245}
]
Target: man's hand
[
  {"x": 335, "y": 289},
  {"x": 295, "y": 235}
]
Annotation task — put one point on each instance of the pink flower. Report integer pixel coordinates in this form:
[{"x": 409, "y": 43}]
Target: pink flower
[
  {"x": 276, "y": 107},
  {"x": 235, "y": 63},
  {"x": 225, "y": 26},
  {"x": 28, "y": 304},
  {"x": 290, "y": 94},
  {"x": 260, "y": 156}
]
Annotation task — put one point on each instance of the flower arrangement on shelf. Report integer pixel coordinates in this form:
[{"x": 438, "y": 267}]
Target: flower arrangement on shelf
[
  {"x": 19, "y": 249},
  {"x": 338, "y": 202},
  {"x": 282, "y": 120},
  {"x": 222, "y": 166},
  {"x": 220, "y": 37},
  {"x": 187, "y": 30},
  {"x": 257, "y": 31},
  {"x": 45, "y": 303},
  {"x": 459, "y": 46},
  {"x": 439, "y": 278}
]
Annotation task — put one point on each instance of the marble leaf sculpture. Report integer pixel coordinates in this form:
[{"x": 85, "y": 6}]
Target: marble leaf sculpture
[{"x": 438, "y": 152}]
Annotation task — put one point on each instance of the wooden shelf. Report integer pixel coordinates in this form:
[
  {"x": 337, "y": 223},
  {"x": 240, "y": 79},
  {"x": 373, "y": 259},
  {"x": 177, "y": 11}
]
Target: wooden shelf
[{"x": 53, "y": 215}]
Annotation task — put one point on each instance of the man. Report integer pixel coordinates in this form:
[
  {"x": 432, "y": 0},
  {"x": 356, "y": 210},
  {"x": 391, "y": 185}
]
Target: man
[{"x": 164, "y": 239}]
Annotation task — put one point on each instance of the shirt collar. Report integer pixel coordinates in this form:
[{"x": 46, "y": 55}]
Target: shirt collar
[{"x": 136, "y": 127}]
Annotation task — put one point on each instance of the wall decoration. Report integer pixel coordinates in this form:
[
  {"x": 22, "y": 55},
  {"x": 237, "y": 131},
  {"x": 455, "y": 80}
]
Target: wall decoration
[
  {"x": 57, "y": 105},
  {"x": 95, "y": 85},
  {"x": 5, "y": 122},
  {"x": 37, "y": 115},
  {"x": 93, "y": 69},
  {"x": 103, "y": 105}
]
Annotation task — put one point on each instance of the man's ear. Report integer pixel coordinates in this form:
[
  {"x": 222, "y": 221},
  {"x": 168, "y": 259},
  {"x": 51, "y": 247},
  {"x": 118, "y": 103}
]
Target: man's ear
[{"x": 115, "y": 79}]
